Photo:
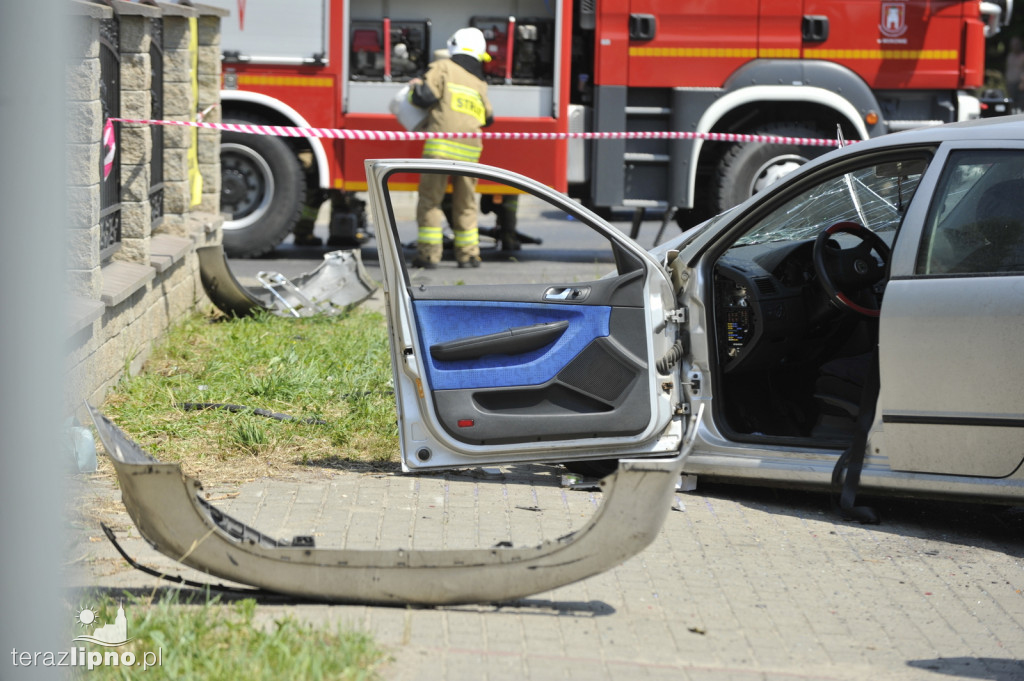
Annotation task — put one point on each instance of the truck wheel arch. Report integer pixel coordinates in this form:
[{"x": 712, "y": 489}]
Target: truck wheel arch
[
  {"x": 758, "y": 97},
  {"x": 268, "y": 107}
]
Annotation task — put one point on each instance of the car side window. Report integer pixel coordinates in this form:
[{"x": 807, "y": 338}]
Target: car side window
[{"x": 976, "y": 223}]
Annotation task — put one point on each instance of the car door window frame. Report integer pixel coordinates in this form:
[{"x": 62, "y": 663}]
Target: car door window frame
[
  {"x": 907, "y": 248},
  {"x": 953, "y": 157},
  {"x": 624, "y": 261}
]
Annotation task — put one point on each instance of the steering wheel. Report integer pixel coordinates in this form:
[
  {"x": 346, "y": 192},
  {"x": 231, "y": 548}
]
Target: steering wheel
[{"x": 850, "y": 269}]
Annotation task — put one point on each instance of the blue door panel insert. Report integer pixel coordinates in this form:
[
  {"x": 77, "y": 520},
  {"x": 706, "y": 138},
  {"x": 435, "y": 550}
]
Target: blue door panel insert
[{"x": 440, "y": 321}]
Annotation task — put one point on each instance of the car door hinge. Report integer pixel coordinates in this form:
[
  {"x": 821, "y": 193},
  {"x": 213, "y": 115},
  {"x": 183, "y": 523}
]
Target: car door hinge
[{"x": 677, "y": 316}]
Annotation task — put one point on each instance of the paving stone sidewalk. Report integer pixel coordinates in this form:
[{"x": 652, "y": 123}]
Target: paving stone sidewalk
[{"x": 743, "y": 584}]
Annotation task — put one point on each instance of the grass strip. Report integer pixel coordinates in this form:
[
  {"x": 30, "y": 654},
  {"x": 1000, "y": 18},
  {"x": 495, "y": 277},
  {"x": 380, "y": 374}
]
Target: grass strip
[
  {"x": 216, "y": 641},
  {"x": 332, "y": 375}
]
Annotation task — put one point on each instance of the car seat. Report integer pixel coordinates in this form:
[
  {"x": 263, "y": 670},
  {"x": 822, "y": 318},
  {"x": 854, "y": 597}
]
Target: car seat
[
  {"x": 839, "y": 390},
  {"x": 999, "y": 221}
]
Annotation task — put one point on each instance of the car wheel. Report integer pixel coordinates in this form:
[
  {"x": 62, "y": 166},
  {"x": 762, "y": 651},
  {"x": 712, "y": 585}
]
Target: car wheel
[
  {"x": 747, "y": 168},
  {"x": 262, "y": 189}
]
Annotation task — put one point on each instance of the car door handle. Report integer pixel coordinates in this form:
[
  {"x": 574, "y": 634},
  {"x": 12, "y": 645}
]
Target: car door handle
[
  {"x": 566, "y": 293},
  {"x": 514, "y": 341}
]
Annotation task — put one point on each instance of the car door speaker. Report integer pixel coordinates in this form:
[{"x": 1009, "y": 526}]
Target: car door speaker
[{"x": 601, "y": 371}]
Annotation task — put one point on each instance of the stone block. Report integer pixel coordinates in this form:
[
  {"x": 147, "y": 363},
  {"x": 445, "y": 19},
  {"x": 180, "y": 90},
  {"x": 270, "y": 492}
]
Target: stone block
[
  {"x": 135, "y": 35},
  {"x": 209, "y": 147},
  {"x": 85, "y": 38},
  {"x": 176, "y": 33},
  {"x": 177, "y": 136},
  {"x": 82, "y": 80},
  {"x": 134, "y": 250},
  {"x": 179, "y": 102},
  {"x": 209, "y": 92},
  {"x": 83, "y": 248},
  {"x": 135, "y": 220},
  {"x": 135, "y": 71},
  {"x": 83, "y": 207},
  {"x": 84, "y": 122},
  {"x": 174, "y": 225},
  {"x": 135, "y": 182},
  {"x": 211, "y": 179},
  {"x": 136, "y": 104},
  {"x": 175, "y": 165},
  {"x": 83, "y": 164},
  {"x": 177, "y": 65},
  {"x": 85, "y": 282},
  {"x": 136, "y": 144},
  {"x": 176, "y": 199},
  {"x": 209, "y": 60},
  {"x": 209, "y": 31}
]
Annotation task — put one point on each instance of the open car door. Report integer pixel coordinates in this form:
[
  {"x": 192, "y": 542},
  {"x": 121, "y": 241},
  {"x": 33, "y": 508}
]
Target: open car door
[
  {"x": 520, "y": 370},
  {"x": 484, "y": 373}
]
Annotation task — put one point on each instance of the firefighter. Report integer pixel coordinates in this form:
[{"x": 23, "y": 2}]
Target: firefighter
[{"x": 454, "y": 93}]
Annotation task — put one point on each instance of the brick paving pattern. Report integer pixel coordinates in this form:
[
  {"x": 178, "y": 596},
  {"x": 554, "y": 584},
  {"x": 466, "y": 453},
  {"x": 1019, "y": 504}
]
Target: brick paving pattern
[{"x": 742, "y": 584}]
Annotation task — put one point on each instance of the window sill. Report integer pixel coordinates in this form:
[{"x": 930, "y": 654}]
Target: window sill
[{"x": 122, "y": 279}]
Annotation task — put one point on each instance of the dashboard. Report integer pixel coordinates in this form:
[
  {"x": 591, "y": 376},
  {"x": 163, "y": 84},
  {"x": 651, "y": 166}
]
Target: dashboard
[{"x": 765, "y": 299}]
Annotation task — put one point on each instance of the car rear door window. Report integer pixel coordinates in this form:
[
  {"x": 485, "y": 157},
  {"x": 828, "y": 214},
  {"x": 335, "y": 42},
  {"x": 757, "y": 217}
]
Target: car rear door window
[{"x": 976, "y": 221}]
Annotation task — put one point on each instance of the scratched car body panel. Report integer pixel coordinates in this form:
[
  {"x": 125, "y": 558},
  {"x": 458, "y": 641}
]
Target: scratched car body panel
[{"x": 905, "y": 252}]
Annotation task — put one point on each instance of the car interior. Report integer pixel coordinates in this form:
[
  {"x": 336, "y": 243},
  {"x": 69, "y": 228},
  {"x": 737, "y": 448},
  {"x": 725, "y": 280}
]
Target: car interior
[{"x": 796, "y": 301}]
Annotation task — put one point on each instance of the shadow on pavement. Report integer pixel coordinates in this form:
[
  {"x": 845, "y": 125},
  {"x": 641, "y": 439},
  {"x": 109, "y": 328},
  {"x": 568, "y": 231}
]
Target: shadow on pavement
[
  {"x": 194, "y": 596},
  {"x": 994, "y": 527},
  {"x": 990, "y": 668}
]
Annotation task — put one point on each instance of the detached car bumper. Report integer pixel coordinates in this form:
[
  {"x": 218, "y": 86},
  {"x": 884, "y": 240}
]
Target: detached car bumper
[{"x": 169, "y": 513}]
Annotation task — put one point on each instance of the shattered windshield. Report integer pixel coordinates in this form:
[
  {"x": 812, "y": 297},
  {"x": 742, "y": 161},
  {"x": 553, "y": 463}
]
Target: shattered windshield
[{"x": 875, "y": 196}]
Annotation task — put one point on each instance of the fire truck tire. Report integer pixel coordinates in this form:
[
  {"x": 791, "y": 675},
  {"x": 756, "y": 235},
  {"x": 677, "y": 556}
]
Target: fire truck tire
[
  {"x": 747, "y": 168},
  {"x": 262, "y": 189}
]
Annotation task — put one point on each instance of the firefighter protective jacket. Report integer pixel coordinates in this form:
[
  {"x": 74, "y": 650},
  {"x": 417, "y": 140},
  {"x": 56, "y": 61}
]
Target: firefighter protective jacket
[{"x": 456, "y": 100}]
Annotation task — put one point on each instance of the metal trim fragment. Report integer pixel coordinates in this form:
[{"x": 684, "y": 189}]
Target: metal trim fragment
[
  {"x": 166, "y": 509},
  {"x": 338, "y": 283}
]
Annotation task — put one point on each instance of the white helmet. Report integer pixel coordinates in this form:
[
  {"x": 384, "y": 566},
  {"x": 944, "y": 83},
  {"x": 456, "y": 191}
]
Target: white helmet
[{"x": 469, "y": 41}]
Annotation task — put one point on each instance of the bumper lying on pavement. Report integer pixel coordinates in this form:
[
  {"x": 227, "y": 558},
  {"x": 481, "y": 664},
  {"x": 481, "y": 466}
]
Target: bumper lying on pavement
[
  {"x": 338, "y": 283},
  {"x": 169, "y": 513}
]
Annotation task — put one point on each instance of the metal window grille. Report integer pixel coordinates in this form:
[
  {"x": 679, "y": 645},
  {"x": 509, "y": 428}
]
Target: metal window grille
[
  {"x": 156, "y": 171},
  {"x": 110, "y": 100}
]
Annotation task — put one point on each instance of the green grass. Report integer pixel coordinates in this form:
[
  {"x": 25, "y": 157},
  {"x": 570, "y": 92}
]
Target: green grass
[
  {"x": 216, "y": 641},
  {"x": 333, "y": 370}
]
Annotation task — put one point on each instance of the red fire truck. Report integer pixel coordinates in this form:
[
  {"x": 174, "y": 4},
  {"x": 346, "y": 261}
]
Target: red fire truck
[{"x": 799, "y": 68}]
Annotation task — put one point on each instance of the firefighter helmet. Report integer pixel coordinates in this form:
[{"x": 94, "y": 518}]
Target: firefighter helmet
[{"x": 469, "y": 41}]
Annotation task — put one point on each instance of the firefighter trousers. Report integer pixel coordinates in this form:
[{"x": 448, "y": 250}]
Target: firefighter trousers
[{"x": 430, "y": 217}]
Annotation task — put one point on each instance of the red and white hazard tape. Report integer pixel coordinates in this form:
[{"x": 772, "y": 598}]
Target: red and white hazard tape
[
  {"x": 397, "y": 136},
  {"x": 110, "y": 147}
]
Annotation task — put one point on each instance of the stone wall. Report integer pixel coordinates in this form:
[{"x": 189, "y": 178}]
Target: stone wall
[{"x": 123, "y": 299}]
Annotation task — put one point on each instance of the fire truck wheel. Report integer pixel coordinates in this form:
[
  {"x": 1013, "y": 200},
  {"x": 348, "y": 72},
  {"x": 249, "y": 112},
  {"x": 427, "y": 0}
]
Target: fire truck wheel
[
  {"x": 262, "y": 188},
  {"x": 747, "y": 168}
]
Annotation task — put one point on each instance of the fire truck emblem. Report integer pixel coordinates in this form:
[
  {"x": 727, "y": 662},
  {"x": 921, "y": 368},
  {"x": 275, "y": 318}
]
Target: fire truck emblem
[{"x": 894, "y": 19}]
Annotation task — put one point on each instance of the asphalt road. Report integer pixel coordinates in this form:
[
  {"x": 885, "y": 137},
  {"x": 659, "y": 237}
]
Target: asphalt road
[{"x": 567, "y": 252}]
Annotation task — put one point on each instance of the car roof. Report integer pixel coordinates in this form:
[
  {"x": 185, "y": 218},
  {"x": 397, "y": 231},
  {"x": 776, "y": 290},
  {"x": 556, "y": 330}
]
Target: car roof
[{"x": 1001, "y": 128}]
